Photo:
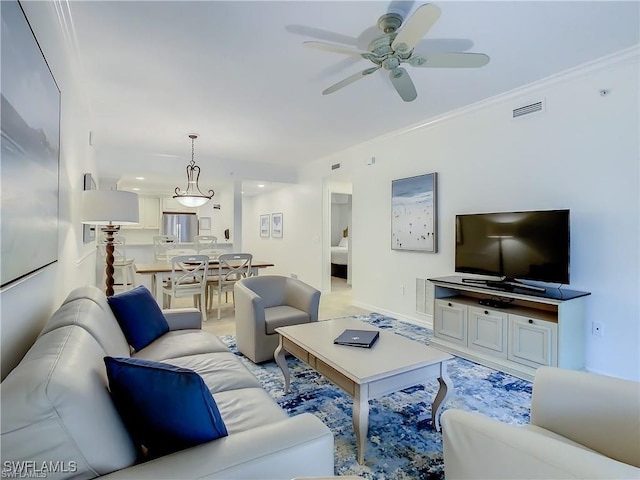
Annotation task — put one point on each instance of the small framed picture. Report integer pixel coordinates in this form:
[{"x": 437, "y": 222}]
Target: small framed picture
[
  {"x": 205, "y": 223},
  {"x": 276, "y": 225},
  {"x": 264, "y": 226}
]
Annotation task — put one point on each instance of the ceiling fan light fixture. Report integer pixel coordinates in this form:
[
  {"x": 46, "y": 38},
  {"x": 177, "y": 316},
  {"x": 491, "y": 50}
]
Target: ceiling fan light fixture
[
  {"x": 192, "y": 196},
  {"x": 390, "y": 22}
]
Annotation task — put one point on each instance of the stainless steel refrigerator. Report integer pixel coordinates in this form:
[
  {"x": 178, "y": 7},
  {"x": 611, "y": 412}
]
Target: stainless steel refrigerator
[{"x": 182, "y": 225}]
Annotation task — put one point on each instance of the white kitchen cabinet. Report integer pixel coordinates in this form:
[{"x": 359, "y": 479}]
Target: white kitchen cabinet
[{"x": 149, "y": 214}]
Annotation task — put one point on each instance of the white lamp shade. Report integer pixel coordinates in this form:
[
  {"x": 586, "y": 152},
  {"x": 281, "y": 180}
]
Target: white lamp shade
[
  {"x": 191, "y": 201},
  {"x": 109, "y": 207}
]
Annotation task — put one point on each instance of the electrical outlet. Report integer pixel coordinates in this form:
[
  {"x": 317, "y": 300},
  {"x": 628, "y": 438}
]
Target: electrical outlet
[{"x": 596, "y": 329}]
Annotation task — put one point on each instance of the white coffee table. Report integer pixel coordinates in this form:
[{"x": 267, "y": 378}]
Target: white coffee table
[{"x": 392, "y": 364}]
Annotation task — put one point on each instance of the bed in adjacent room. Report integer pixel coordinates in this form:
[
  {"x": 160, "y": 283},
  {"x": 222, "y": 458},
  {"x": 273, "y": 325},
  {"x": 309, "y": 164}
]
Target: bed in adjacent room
[{"x": 339, "y": 256}]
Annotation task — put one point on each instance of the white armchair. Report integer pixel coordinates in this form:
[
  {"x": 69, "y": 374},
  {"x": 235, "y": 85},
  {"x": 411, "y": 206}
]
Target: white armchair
[
  {"x": 265, "y": 303},
  {"x": 582, "y": 425}
]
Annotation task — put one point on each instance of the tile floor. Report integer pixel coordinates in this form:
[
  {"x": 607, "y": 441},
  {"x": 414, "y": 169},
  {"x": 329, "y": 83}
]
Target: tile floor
[{"x": 332, "y": 305}]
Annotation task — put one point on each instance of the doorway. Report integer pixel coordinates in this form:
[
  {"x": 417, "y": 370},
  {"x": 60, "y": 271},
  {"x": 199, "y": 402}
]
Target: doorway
[{"x": 340, "y": 248}]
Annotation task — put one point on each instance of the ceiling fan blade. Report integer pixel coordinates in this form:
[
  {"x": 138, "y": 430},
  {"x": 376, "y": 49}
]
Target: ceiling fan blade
[
  {"x": 321, "y": 34},
  {"x": 416, "y": 27},
  {"x": 449, "y": 60},
  {"x": 349, "y": 80},
  {"x": 329, "y": 47},
  {"x": 403, "y": 84}
]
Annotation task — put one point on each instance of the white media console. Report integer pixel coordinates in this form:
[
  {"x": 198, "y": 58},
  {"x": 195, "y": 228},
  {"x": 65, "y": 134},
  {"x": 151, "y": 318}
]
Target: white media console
[{"x": 517, "y": 332}]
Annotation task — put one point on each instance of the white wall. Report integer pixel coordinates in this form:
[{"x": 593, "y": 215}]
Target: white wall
[
  {"x": 222, "y": 218},
  {"x": 581, "y": 153},
  {"x": 26, "y": 305},
  {"x": 298, "y": 250}
]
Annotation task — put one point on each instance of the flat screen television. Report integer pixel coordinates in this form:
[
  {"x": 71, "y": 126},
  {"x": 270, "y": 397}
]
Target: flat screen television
[{"x": 514, "y": 245}]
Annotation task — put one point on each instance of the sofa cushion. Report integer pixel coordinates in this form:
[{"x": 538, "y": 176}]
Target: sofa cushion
[
  {"x": 283, "y": 316},
  {"x": 220, "y": 371},
  {"x": 139, "y": 316},
  {"x": 166, "y": 408},
  {"x": 180, "y": 343},
  {"x": 247, "y": 408}
]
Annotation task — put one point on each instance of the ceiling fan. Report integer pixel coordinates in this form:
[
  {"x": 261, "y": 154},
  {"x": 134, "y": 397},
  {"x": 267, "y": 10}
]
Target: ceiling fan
[{"x": 396, "y": 46}]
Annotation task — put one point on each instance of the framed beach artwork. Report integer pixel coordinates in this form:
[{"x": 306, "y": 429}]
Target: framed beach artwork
[
  {"x": 264, "y": 226},
  {"x": 414, "y": 213},
  {"x": 30, "y": 124},
  {"x": 276, "y": 225}
]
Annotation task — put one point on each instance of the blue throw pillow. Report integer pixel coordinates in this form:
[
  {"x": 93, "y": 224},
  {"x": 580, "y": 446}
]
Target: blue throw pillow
[
  {"x": 139, "y": 316},
  {"x": 165, "y": 408}
]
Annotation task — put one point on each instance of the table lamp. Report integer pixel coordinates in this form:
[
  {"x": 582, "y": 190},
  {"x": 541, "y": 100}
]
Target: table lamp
[{"x": 110, "y": 209}]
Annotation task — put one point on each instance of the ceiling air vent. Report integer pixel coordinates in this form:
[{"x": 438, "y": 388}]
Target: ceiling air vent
[
  {"x": 335, "y": 166},
  {"x": 527, "y": 109}
]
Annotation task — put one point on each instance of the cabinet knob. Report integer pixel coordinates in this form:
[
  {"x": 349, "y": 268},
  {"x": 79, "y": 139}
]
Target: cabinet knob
[
  {"x": 530, "y": 321},
  {"x": 449, "y": 304},
  {"x": 486, "y": 312}
]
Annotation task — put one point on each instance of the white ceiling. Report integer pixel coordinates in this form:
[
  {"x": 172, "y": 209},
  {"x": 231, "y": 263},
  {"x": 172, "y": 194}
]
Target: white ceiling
[{"x": 237, "y": 73}]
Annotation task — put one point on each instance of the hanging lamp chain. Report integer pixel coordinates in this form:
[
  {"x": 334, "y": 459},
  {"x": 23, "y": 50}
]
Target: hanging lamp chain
[
  {"x": 193, "y": 149},
  {"x": 193, "y": 176}
]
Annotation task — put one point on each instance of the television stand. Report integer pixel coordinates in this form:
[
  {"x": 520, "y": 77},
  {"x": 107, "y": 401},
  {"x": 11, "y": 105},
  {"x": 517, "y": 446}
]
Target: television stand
[{"x": 507, "y": 327}]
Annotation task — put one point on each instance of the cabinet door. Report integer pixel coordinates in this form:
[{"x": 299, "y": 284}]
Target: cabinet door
[
  {"x": 532, "y": 341},
  {"x": 450, "y": 322},
  {"x": 138, "y": 225},
  {"x": 488, "y": 331},
  {"x": 150, "y": 213}
]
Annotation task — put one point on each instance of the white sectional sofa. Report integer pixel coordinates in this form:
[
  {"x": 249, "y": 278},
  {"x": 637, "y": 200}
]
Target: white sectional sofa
[
  {"x": 57, "y": 412},
  {"x": 582, "y": 425}
]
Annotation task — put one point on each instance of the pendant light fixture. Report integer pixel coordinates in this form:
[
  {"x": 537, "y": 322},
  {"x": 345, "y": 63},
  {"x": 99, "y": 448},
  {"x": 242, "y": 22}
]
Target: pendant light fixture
[{"x": 192, "y": 196}]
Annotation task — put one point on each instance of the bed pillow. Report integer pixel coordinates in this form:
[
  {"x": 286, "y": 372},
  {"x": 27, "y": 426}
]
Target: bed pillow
[
  {"x": 344, "y": 242},
  {"x": 139, "y": 316},
  {"x": 165, "y": 408}
]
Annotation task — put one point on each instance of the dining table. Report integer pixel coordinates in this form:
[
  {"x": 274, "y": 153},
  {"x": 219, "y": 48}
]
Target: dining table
[{"x": 160, "y": 270}]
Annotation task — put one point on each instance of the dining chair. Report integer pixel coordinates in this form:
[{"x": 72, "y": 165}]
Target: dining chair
[
  {"x": 231, "y": 268},
  {"x": 188, "y": 279},
  {"x": 202, "y": 242},
  {"x": 124, "y": 271},
  {"x": 162, "y": 243}
]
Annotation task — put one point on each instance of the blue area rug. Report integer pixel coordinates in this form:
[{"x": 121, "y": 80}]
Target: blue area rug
[{"x": 402, "y": 443}]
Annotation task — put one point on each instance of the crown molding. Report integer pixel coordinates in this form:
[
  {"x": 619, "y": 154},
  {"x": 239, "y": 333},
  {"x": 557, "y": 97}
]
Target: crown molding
[{"x": 626, "y": 56}]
